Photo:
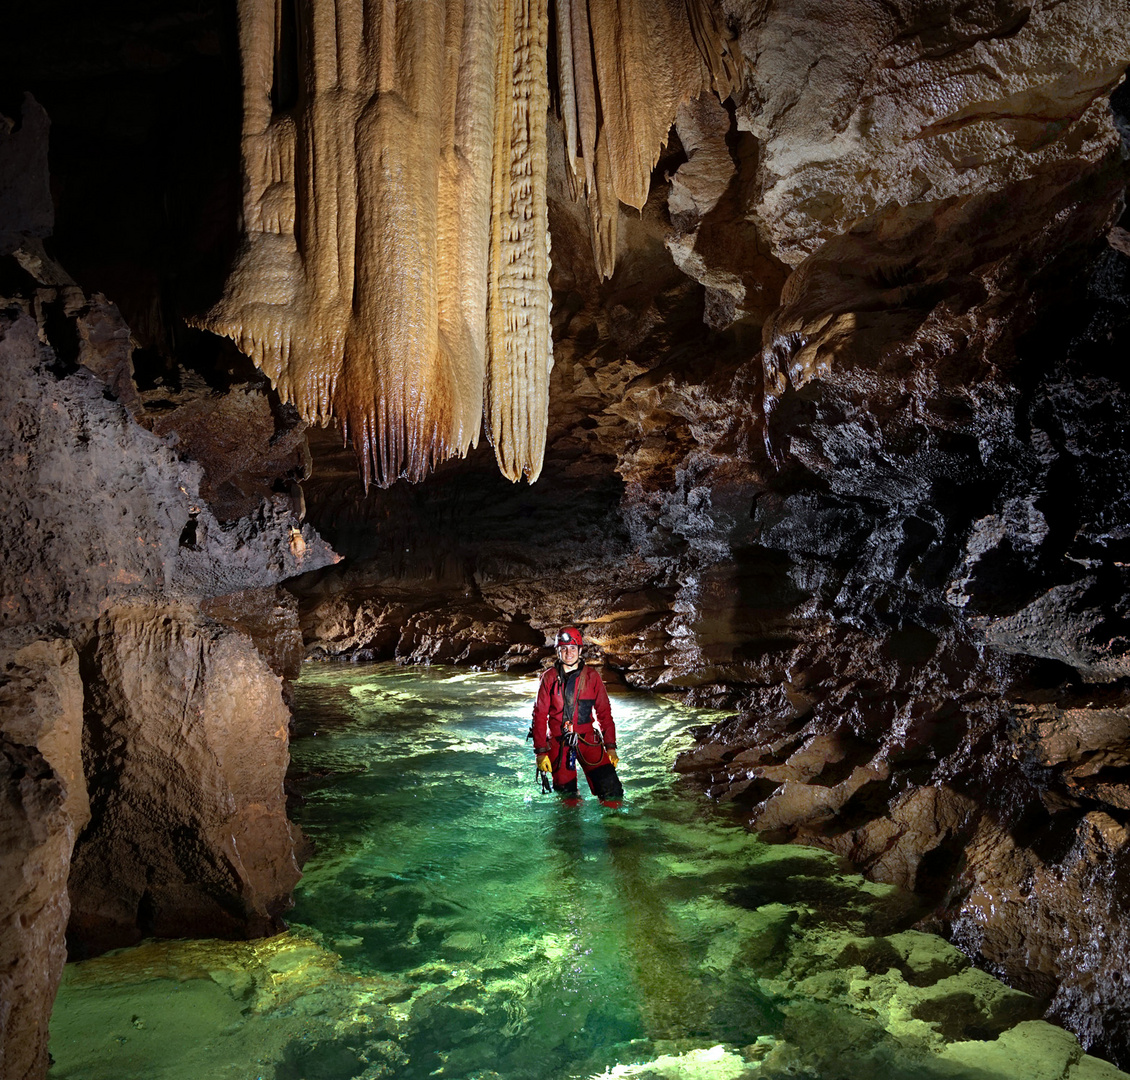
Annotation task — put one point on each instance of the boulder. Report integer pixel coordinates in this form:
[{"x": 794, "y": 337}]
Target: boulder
[{"x": 186, "y": 744}]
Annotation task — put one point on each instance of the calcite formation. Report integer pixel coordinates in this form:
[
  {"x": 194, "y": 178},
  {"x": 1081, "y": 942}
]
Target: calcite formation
[
  {"x": 623, "y": 71},
  {"x": 394, "y": 273},
  {"x": 404, "y": 185}
]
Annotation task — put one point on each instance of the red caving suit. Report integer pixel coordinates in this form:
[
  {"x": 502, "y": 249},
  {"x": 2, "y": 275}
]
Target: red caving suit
[{"x": 585, "y": 690}]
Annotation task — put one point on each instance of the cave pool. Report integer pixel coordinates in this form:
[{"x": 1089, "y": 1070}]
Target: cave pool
[{"x": 456, "y": 923}]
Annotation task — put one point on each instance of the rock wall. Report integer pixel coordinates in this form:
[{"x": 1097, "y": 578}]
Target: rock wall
[
  {"x": 143, "y": 741},
  {"x": 840, "y": 447},
  {"x": 186, "y": 728},
  {"x": 43, "y": 806}
]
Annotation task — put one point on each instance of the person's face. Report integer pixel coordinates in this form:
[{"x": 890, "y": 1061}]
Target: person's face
[{"x": 569, "y": 654}]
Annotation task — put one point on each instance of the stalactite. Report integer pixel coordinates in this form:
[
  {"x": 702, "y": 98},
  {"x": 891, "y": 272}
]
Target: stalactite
[
  {"x": 517, "y": 390},
  {"x": 394, "y": 270},
  {"x": 361, "y": 288},
  {"x": 717, "y": 46},
  {"x": 567, "y": 89},
  {"x": 632, "y": 64}
]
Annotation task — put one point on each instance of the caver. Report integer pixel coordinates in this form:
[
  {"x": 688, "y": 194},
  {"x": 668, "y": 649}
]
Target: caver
[{"x": 573, "y": 724}]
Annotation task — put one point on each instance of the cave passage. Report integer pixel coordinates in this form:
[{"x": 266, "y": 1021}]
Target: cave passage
[{"x": 455, "y": 922}]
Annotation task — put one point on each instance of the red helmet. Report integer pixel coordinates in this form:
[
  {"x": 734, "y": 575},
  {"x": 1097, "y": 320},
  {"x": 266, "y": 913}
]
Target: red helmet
[{"x": 569, "y": 635}]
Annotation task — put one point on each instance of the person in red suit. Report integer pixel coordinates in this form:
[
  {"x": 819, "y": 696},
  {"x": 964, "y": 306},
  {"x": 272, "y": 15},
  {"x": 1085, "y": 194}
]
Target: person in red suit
[{"x": 571, "y": 699}]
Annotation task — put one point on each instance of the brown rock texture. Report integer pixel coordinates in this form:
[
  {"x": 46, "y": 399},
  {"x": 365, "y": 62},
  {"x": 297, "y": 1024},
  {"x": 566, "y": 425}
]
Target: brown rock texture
[
  {"x": 840, "y": 447},
  {"x": 417, "y": 625},
  {"x": 192, "y": 836},
  {"x": 269, "y": 617},
  {"x": 37, "y": 838},
  {"x": 100, "y": 511},
  {"x": 1021, "y": 898},
  {"x": 43, "y": 805},
  {"x": 248, "y": 450},
  {"x": 877, "y": 107}
]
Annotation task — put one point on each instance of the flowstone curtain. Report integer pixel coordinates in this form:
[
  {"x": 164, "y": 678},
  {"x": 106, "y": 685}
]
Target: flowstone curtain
[{"x": 394, "y": 269}]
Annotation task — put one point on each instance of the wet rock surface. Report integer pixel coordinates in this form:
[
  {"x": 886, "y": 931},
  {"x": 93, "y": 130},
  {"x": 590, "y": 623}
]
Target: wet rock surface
[
  {"x": 841, "y": 446},
  {"x": 192, "y": 835},
  {"x": 43, "y": 806}
]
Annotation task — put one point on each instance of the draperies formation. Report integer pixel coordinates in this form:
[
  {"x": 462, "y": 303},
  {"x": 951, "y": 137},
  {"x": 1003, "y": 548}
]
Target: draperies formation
[{"x": 394, "y": 270}]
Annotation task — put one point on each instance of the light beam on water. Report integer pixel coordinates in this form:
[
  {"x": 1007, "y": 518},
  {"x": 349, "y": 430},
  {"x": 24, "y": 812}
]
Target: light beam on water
[{"x": 455, "y": 922}]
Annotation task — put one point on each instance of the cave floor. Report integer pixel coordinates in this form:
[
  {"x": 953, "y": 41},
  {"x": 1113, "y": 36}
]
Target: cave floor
[{"x": 454, "y": 922}]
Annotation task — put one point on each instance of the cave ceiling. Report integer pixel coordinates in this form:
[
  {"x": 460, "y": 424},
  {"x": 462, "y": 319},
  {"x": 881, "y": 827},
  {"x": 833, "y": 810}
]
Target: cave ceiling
[
  {"x": 394, "y": 269},
  {"x": 825, "y": 177}
]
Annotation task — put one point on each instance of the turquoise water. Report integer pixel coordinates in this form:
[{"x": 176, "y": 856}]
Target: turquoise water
[
  {"x": 455, "y": 922},
  {"x": 576, "y": 928}
]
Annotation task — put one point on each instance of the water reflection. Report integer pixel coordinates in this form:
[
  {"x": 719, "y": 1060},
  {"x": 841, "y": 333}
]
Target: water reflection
[{"x": 457, "y": 923}]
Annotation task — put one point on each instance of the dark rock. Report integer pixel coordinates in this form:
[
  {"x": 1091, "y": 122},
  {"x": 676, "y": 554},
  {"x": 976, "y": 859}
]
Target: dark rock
[
  {"x": 98, "y": 509},
  {"x": 26, "y": 210}
]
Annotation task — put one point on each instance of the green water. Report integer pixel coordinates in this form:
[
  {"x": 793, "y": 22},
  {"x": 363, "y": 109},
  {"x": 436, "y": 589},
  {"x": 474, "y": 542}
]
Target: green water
[
  {"x": 457, "y": 923},
  {"x": 576, "y": 929}
]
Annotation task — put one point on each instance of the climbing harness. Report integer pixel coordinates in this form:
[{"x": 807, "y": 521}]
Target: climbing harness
[
  {"x": 570, "y": 743},
  {"x": 598, "y": 743}
]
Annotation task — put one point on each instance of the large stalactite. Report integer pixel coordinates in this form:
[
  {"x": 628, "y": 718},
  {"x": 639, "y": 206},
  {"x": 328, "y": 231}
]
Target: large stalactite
[
  {"x": 517, "y": 388},
  {"x": 394, "y": 271},
  {"x": 624, "y": 68},
  {"x": 360, "y": 289}
]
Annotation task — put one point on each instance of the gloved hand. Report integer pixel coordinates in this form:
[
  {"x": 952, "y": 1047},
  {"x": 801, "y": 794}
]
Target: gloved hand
[
  {"x": 543, "y": 763},
  {"x": 614, "y": 758}
]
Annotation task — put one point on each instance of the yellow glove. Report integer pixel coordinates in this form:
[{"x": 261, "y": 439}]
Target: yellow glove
[
  {"x": 543, "y": 763},
  {"x": 614, "y": 758}
]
